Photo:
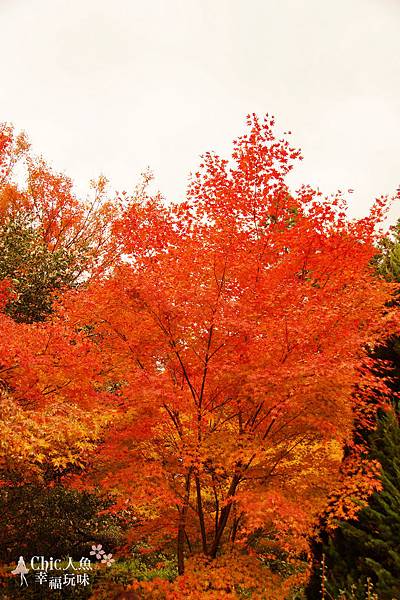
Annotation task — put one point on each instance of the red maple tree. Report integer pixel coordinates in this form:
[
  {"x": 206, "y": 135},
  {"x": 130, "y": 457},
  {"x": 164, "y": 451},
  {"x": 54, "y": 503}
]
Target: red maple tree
[{"x": 232, "y": 329}]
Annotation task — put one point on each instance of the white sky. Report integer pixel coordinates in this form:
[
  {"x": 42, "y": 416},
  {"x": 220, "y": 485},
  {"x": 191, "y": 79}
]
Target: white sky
[{"x": 113, "y": 86}]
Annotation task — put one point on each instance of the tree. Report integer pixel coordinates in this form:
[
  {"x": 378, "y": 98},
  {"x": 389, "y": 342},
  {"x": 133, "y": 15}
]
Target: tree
[
  {"x": 53, "y": 520},
  {"x": 44, "y": 435},
  {"x": 35, "y": 273},
  {"x": 233, "y": 326},
  {"x": 388, "y": 260},
  {"x": 367, "y": 548},
  {"x": 49, "y": 240}
]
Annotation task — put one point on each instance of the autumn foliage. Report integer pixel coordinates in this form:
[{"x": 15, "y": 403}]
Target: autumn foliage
[{"x": 202, "y": 359}]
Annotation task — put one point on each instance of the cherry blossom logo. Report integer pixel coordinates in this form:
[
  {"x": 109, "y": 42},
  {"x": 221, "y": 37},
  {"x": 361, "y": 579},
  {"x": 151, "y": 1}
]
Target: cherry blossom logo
[
  {"x": 107, "y": 558},
  {"x": 100, "y": 554}
]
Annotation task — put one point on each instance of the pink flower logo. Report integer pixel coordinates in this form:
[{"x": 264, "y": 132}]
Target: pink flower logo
[
  {"x": 107, "y": 558},
  {"x": 97, "y": 551}
]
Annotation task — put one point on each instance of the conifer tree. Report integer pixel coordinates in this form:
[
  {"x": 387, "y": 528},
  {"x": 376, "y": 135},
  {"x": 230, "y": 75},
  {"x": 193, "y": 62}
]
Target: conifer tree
[
  {"x": 388, "y": 262},
  {"x": 370, "y": 546}
]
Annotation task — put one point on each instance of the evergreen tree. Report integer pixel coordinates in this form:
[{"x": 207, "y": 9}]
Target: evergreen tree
[
  {"x": 370, "y": 546},
  {"x": 34, "y": 271},
  {"x": 388, "y": 261}
]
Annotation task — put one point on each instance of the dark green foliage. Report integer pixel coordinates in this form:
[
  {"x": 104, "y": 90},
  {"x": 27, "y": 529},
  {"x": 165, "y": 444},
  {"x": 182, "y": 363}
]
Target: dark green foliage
[
  {"x": 370, "y": 546},
  {"x": 53, "y": 521},
  {"x": 112, "y": 583},
  {"x": 387, "y": 263},
  {"x": 34, "y": 271}
]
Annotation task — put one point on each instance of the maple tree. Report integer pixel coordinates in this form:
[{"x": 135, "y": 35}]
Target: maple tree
[
  {"x": 49, "y": 241},
  {"x": 45, "y": 426},
  {"x": 235, "y": 323},
  {"x": 209, "y": 357}
]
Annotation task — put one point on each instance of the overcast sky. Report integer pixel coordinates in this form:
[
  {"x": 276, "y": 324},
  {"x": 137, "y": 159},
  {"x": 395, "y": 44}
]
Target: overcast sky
[{"x": 114, "y": 86}]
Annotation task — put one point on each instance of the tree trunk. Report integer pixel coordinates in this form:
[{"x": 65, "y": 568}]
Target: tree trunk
[
  {"x": 182, "y": 526},
  {"x": 223, "y": 520},
  {"x": 201, "y": 515}
]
